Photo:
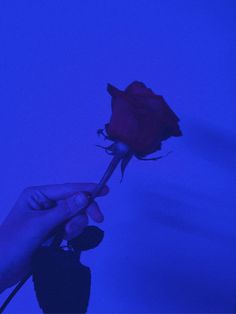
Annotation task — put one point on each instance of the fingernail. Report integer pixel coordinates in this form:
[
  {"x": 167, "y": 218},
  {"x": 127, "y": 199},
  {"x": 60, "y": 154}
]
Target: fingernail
[
  {"x": 104, "y": 191},
  {"x": 100, "y": 218},
  {"x": 81, "y": 200}
]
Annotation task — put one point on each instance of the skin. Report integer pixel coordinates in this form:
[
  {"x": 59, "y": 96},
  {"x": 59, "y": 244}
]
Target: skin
[{"x": 34, "y": 217}]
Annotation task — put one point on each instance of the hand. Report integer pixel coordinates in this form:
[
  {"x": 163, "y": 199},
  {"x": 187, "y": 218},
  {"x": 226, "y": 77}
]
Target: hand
[{"x": 34, "y": 217}]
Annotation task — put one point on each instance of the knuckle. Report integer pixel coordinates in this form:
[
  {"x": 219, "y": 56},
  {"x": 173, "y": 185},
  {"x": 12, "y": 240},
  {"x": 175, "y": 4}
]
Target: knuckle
[
  {"x": 30, "y": 194},
  {"x": 27, "y": 191},
  {"x": 29, "y": 188}
]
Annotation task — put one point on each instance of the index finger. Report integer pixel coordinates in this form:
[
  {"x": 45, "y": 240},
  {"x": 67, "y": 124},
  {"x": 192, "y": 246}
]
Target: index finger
[{"x": 58, "y": 192}]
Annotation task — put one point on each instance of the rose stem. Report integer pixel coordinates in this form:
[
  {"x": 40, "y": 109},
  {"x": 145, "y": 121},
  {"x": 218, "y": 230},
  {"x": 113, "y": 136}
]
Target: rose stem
[
  {"x": 59, "y": 236},
  {"x": 108, "y": 173}
]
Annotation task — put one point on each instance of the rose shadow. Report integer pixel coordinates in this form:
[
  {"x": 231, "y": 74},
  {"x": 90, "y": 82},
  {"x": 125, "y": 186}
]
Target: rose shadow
[{"x": 62, "y": 283}]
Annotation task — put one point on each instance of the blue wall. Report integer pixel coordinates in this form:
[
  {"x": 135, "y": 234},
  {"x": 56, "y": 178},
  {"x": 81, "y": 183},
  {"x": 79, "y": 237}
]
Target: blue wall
[{"x": 170, "y": 226}]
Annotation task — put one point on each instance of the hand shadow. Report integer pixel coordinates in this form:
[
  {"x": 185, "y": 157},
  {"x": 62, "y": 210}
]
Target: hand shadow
[{"x": 62, "y": 284}]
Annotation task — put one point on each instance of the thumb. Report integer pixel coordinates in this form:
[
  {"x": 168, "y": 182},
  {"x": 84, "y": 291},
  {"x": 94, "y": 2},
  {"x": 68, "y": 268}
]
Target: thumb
[
  {"x": 65, "y": 209},
  {"x": 76, "y": 203}
]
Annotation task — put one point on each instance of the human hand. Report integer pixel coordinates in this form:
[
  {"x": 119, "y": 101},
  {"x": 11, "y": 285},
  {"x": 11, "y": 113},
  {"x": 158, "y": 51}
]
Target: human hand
[{"x": 34, "y": 217}]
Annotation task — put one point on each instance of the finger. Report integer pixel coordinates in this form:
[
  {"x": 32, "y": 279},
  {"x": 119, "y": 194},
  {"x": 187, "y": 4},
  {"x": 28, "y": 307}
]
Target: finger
[
  {"x": 39, "y": 201},
  {"x": 75, "y": 226},
  {"x": 62, "y": 191},
  {"x": 94, "y": 212},
  {"x": 76, "y": 203},
  {"x": 66, "y": 209}
]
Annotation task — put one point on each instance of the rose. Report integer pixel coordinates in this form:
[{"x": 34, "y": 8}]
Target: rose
[{"x": 140, "y": 118}]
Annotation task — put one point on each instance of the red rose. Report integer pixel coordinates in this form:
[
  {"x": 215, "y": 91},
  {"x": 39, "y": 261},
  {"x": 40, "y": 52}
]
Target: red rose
[{"x": 140, "y": 118}]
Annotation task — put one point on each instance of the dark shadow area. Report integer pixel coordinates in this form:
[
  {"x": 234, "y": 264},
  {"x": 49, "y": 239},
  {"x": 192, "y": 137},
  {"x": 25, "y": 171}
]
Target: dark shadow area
[{"x": 62, "y": 283}]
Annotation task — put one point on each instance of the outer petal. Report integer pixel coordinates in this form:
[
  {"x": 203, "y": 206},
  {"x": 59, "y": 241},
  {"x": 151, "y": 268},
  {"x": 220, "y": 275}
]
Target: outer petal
[
  {"x": 123, "y": 125},
  {"x": 140, "y": 118}
]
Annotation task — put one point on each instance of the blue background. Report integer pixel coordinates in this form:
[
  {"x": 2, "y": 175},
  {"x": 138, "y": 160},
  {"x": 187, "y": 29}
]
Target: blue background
[{"x": 170, "y": 226}]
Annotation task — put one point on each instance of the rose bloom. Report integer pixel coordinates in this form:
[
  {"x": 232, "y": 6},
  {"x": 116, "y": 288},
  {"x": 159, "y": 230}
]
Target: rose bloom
[{"x": 140, "y": 118}]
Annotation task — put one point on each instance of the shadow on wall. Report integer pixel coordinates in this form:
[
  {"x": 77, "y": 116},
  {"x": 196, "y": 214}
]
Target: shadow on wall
[
  {"x": 214, "y": 144},
  {"x": 187, "y": 218}
]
